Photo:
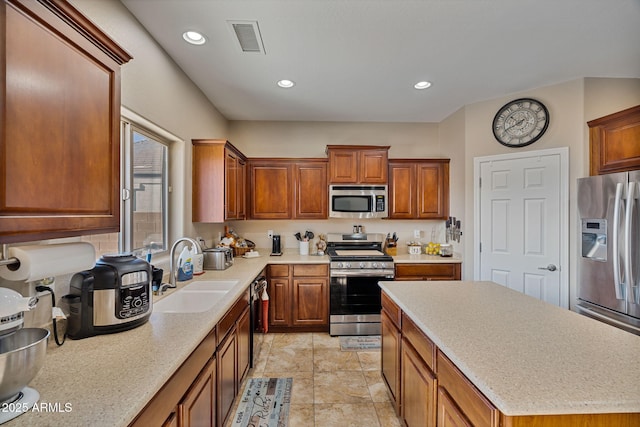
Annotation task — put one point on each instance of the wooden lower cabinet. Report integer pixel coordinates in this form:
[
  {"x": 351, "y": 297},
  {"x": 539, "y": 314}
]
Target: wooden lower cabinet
[
  {"x": 449, "y": 415},
  {"x": 390, "y": 357},
  {"x": 418, "y": 389},
  {"x": 227, "y": 376},
  {"x": 469, "y": 401},
  {"x": 198, "y": 407},
  {"x": 201, "y": 392},
  {"x": 432, "y": 271},
  {"x": 298, "y": 297}
]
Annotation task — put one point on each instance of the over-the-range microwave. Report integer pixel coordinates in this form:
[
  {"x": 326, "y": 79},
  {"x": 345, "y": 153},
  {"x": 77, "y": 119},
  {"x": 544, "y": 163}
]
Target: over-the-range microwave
[{"x": 358, "y": 201}]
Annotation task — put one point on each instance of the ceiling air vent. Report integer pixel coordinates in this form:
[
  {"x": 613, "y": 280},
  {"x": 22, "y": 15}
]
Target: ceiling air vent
[{"x": 247, "y": 34}]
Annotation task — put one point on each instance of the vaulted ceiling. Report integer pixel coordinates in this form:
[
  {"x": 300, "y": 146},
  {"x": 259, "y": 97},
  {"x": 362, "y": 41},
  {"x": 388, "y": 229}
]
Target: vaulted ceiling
[{"x": 357, "y": 60}]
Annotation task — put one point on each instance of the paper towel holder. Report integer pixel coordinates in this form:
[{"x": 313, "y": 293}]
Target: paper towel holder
[{"x": 8, "y": 261}]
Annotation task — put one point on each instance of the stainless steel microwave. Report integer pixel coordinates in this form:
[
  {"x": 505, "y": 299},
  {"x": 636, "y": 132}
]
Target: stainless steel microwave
[{"x": 358, "y": 201}]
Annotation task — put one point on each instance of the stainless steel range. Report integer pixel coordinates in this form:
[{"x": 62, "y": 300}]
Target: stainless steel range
[{"x": 357, "y": 263}]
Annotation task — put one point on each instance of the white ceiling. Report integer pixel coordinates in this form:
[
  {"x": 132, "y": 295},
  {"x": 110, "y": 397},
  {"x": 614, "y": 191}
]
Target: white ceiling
[{"x": 357, "y": 60}]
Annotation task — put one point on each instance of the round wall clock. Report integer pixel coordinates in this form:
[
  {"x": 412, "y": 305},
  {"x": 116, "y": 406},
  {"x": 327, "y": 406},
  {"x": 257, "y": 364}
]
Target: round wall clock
[{"x": 520, "y": 122}]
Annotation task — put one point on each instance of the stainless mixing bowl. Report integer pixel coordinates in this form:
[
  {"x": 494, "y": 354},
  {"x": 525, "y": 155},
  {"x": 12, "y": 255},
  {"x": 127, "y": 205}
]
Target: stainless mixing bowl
[{"x": 21, "y": 357}]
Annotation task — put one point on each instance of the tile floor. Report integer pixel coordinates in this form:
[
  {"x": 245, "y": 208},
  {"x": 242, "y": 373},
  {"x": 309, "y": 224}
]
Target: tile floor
[{"x": 330, "y": 387}]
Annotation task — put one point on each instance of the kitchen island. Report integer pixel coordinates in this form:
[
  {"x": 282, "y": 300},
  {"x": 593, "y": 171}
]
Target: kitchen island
[{"x": 529, "y": 361}]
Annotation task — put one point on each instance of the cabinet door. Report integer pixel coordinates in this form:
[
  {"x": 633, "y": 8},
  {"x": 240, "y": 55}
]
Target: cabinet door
[
  {"x": 270, "y": 190},
  {"x": 231, "y": 185},
  {"x": 343, "y": 167},
  {"x": 244, "y": 337},
  {"x": 373, "y": 166},
  {"x": 279, "y": 302},
  {"x": 613, "y": 142},
  {"x": 390, "y": 358},
  {"x": 198, "y": 407},
  {"x": 241, "y": 189},
  {"x": 433, "y": 190},
  {"x": 60, "y": 144},
  {"x": 310, "y": 301},
  {"x": 435, "y": 271},
  {"x": 449, "y": 415},
  {"x": 311, "y": 193},
  {"x": 418, "y": 389},
  {"x": 227, "y": 376},
  {"x": 402, "y": 191}
]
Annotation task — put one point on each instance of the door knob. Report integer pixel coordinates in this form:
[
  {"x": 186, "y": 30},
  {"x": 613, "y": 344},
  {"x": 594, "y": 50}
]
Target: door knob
[{"x": 549, "y": 267}]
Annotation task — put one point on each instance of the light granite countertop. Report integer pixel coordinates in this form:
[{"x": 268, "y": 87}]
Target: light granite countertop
[
  {"x": 107, "y": 380},
  {"x": 426, "y": 259},
  {"x": 526, "y": 356}
]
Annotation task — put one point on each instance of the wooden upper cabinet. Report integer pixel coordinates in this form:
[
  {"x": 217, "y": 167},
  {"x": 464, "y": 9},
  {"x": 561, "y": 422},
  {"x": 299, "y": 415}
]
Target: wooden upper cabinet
[
  {"x": 271, "y": 183},
  {"x": 310, "y": 190},
  {"x": 615, "y": 142},
  {"x": 59, "y": 135},
  {"x": 358, "y": 164},
  {"x": 419, "y": 188},
  {"x": 218, "y": 181},
  {"x": 288, "y": 188}
]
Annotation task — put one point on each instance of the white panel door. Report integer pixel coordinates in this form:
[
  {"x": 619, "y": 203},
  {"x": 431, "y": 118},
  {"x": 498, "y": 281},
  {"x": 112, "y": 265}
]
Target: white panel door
[{"x": 521, "y": 224}]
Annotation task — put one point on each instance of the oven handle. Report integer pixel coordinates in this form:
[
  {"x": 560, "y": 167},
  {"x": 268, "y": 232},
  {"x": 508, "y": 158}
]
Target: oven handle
[{"x": 384, "y": 274}]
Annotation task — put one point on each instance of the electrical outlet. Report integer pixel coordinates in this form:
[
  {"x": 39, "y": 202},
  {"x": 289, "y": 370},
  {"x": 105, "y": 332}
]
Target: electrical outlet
[
  {"x": 416, "y": 234},
  {"x": 270, "y": 234}
]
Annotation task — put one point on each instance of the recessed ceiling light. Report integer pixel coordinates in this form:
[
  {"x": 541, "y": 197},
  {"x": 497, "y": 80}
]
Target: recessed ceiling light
[
  {"x": 286, "y": 83},
  {"x": 193, "y": 37},
  {"x": 422, "y": 85}
]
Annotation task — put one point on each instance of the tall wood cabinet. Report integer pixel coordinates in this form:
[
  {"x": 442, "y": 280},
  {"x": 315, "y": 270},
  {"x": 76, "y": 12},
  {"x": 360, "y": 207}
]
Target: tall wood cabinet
[
  {"x": 218, "y": 181},
  {"x": 615, "y": 142},
  {"x": 419, "y": 188},
  {"x": 358, "y": 164},
  {"x": 288, "y": 188},
  {"x": 59, "y": 135}
]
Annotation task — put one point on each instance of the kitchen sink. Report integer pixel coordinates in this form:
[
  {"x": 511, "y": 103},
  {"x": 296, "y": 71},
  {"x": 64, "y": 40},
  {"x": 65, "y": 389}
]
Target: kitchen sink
[
  {"x": 188, "y": 301},
  {"x": 196, "y": 297},
  {"x": 211, "y": 285}
]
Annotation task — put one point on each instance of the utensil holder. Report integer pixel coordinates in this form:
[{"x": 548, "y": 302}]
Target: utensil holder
[{"x": 304, "y": 248}]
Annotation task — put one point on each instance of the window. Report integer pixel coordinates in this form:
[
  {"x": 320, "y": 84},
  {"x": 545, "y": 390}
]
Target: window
[{"x": 145, "y": 191}]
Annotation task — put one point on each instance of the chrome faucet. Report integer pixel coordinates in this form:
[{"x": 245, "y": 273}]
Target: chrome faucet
[{"x": 173, "y": 271}]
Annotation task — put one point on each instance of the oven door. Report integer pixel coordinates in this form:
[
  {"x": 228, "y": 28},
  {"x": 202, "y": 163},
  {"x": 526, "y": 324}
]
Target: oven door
[{"x": 355, "y": 305}]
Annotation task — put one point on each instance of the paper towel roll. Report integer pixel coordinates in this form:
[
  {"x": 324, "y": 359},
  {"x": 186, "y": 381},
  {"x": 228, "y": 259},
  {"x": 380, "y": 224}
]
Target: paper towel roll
[{"x": 40, "y": 261}]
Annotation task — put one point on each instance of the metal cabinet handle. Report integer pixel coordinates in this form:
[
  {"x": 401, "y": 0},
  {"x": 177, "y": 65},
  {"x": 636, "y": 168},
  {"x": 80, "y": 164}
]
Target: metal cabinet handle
[{"x": 549, "y": 267}]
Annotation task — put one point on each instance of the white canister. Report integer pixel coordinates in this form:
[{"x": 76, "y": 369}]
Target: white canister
[
  {"x": 304, "y": 247},
  {"x": 415, "y": 249}
]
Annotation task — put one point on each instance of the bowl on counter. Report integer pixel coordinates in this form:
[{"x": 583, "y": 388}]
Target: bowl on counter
[{"x": 22, "y": 354}]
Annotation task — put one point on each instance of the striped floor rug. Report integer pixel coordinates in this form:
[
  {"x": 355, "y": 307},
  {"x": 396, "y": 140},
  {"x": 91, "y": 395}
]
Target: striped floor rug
[
  {"x": 360, "y": 343},
  {"x": 264, "y": 403}
]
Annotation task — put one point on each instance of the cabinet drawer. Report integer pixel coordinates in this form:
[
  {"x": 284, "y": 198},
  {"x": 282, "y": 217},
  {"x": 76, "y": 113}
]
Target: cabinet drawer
[
  {"x": 423, "y": 345},
  {"x": 310, "y": 270},
  {"x": 392, "y": 310},
  {"x": 229, "y": 319},
  {"x": 471, "y": 402},
  {"x": 279, "y": 270},
  {"x": 435, "y": 271}
]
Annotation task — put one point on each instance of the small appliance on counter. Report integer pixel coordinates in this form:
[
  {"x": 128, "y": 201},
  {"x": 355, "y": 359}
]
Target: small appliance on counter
[
  {"x": 276, "y": 249},
  {"x": 218, "y": 258},
  {"x": 113, "y": 296},
  {"x": 22, "y": 354}
]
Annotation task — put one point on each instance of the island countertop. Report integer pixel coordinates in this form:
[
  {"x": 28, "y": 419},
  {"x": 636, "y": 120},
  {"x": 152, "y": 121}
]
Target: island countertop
[{"x": 526, "y": 356}]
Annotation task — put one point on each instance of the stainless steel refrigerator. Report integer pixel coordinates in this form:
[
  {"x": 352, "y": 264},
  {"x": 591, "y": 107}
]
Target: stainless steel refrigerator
[{"x": 609, "y": 262}]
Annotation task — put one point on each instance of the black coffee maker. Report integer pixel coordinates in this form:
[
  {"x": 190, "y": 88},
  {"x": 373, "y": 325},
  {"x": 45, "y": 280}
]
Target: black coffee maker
[{"x": 276, "y": 250}]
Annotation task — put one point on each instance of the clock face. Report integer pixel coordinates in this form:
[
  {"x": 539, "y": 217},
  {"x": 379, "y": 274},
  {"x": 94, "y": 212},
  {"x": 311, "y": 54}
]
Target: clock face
[{"x": 520, "y": 122}]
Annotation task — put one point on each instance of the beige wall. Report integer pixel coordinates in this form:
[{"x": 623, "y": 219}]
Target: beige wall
[
  {"x": 154, "y": 87},
  {"x": 571, "y": 104}
]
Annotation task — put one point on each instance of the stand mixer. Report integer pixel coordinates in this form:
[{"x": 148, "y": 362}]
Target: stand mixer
[{"x": 22, "y": 352}]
